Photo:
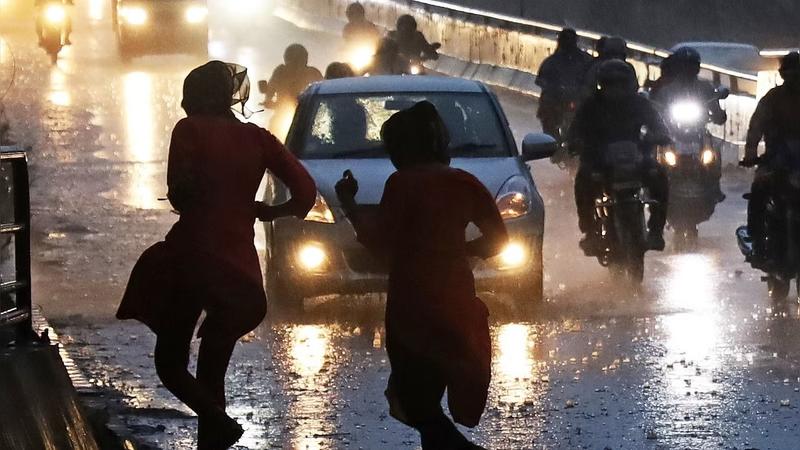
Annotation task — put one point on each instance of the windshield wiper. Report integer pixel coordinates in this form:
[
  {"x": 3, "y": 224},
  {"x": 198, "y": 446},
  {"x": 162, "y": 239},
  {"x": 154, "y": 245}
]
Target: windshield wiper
[{"x": 357, "y": 152}]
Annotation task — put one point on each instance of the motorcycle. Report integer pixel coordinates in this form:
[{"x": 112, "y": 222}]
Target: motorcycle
[
  {"x": 694, "y": 165},
  {"x": 619, "y": 212},
  {"x": 781, "y": 244},
  {"x": 563, "y": 158},
  {"x": 53, "y": 29}
]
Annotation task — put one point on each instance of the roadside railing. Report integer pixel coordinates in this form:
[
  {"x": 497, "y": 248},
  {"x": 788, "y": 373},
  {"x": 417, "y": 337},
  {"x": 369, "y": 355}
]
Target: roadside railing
[{"x": 504, "y": 42}]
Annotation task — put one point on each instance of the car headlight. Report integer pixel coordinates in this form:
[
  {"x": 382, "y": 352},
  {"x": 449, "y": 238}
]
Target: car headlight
[
  {"x": 196, "y": 14},
  {"x": 321, "y": 212},
  {"x": 312, "y": 256},
  {"x": 670, "y": 158},
  {"x": 707, "y": 157},
  {"x": 55, "y": 14},
  {"x": 134, "y": 15},
  {"x": 513, "y": 255},
  {"x": 514, "y": 198},
  {"x": 686, "y": 112}
]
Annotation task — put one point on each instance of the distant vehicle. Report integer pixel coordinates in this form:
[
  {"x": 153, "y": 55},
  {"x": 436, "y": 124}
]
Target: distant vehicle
[
  {"x": 731, "y": 55},
  {"x": 53, "y": 20},
  {"x": 160, "y": 26},
  {"x": 337, "y": 127}
]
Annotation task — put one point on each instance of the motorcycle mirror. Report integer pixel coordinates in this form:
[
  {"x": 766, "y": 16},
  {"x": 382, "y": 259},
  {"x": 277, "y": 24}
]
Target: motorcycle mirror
[
  {"x": 538, "y": 146},
  {"x": 723, "y": 93},
  {"x": 262, "y": 86}
]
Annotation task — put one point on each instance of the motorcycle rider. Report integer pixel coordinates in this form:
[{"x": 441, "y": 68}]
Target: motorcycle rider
[
  {"x": 388, "y": 60},
  {"x": 290, "y": 78},
  {"x": 776, "y": 120},
  {"x": 608, "y": 47},
  {"x": 682, "y": 81},
  {"x": 560, "y": 79},
  {"x": 411, "y": 42},
  {"x": 614, "y": 113},
  {"x": 359, "y": 30},
  {"x": 40, "y": 6}
]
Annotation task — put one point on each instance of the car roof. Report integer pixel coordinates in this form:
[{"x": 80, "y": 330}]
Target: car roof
[{"x": 396, "y": 84}]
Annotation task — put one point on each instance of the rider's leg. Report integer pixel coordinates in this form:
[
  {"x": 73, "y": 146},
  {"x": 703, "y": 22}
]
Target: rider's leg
[
  {"x": 658, "y": 186},
  {"x": 584, "y": 198},
  {"x": 756, "y": 209}
]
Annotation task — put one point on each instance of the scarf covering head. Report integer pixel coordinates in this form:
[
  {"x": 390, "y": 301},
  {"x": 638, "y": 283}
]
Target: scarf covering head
[
  {"x": 215, "y": 88},
  {"x": 416, "y": 135}
]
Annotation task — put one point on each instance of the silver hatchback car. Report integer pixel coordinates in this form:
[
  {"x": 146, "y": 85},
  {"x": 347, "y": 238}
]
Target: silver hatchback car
[{"x": 337, "y": 127}]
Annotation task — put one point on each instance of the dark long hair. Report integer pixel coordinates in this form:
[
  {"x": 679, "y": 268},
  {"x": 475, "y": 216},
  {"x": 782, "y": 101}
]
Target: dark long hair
[{"x": 416, "y": 135}]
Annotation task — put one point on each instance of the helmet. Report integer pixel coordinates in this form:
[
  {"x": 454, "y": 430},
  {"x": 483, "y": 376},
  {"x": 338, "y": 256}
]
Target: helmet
[
  {"x": 614, "y": 47},
  {"x": 295, "y": 55},
  {"x": 790, "y": 62},
  {"x": 617, "y": 73},
  {"x": 567, "y": 38},
  {"x": 355, "y": 11},
  {"x": 406, "y": 23},
  {"x": 686, "y": 62}
]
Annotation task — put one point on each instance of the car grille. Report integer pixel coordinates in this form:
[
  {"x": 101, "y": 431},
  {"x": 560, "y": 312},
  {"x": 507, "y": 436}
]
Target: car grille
[{"x": 363, "y": 261}]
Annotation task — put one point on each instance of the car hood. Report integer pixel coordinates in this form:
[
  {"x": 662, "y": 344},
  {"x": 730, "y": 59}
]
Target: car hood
[{"x": 373, "y": 173}]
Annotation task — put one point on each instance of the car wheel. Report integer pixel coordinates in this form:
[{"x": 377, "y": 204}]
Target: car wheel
[
  {"x": 283, "y": 296},
  {"x": 529, "y": 290}
]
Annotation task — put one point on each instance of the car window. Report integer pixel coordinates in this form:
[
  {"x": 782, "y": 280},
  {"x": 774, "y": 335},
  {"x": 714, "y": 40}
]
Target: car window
[{"x": 349, "y": 126}]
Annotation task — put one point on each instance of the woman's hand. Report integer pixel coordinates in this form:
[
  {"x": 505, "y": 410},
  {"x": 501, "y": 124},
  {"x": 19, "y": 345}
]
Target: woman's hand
[{"x": 346, "y": 190}]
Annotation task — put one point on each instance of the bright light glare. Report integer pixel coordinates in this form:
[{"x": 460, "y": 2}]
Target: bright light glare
[
  {"x": 311, "y": 257},
  {"x": 134, "y": 15},
  {"x": 55, "y": 14},
  {"x": 361, "y": 58},
  {"x": 707, "y": 156},
  {"x": 416, "y": 69},
  {"x": 196, "y": 14},
  {"x": 671, "y": 158},
  {"x": 686, "y": 112},
  {"x": 320, "y": 212},
  {"x": 513, "y": 255}
]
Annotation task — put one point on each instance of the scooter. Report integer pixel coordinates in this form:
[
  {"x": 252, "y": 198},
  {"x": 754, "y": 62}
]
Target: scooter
[
  {"x": 619, "y": 213},
  {"x": 53, "y": 28},
  {"x": 694, "y": 164},
  {"x": 781, "y": 244}
]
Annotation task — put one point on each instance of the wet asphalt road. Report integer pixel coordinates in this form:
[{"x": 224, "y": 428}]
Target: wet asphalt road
[{"x": 701, "y": 359}]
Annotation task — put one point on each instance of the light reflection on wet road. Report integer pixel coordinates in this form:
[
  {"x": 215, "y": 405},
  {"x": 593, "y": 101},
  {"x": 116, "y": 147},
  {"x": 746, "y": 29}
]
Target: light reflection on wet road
[{"x": 699, "y": 360}]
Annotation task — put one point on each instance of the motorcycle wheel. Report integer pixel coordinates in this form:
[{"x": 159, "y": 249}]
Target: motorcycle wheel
[{"x": 778, "y": 288}]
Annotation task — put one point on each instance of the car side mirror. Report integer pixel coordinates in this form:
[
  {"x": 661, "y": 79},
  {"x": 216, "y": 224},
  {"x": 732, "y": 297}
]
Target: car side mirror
[
  {"x": 262, "y": 86},
  {"x": 538, "y": 146},
  {"x": 723, "y": 93}
]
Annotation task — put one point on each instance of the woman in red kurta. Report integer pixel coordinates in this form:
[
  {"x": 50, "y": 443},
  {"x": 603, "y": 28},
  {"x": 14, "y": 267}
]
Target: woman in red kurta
[
  {"x": 437, "y": 334},
  {"x": 208, "y": 261}
]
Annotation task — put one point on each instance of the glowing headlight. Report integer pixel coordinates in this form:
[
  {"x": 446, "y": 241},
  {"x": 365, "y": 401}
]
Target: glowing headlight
[
  {"x": 686, "y": 112},
  {"x": 196, "y": 14},
  {"x": 311, "y": 257},
  {"x": 55, "y": 14},
  {"x": 670, "y": 158},
  {"x": 361, "y": 58},
  {"x": 707, "y": 157},
  {"x": 134, "y": 15},
  {"x": 514, "y": 254},
  {"x": 320, "y": 212},
  {"x": 415, "y": 69},
  {"x": 514, "y": 198}
]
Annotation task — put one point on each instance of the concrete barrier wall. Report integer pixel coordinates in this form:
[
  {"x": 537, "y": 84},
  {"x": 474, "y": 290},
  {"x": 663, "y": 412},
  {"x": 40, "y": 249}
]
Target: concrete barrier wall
[{"x": 508, "y": 51}]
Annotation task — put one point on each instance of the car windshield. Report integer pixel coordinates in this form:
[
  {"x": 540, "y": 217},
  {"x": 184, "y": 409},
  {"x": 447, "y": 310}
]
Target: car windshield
[{"x": 348, "y": 126}]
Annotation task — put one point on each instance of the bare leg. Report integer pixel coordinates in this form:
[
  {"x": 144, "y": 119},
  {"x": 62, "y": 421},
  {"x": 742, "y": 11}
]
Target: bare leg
[{"x": 172, "y": 360}]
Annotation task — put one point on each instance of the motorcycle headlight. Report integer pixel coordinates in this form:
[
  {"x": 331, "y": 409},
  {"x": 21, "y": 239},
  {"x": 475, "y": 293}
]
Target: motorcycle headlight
[
  {"x": 361, "y": 57},
  {"x": 686, "y": 112},
  {"x": 670, "y": 158},
  {"x": 514, "y": 198},
  {"x": 707, "y": 157},
  {"x": 196, "y": 14},
  {"x": 55, "y": 14},
  {"x": 134, "y": 15},
  {"x": 320, "y": 212}
]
